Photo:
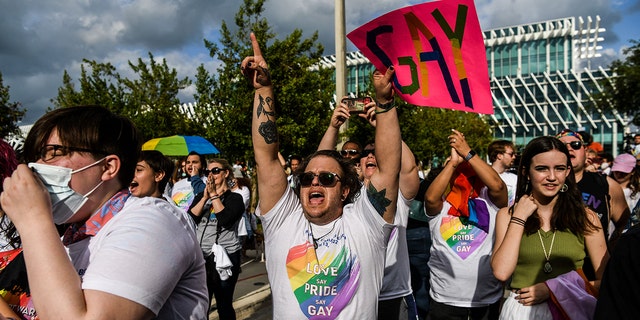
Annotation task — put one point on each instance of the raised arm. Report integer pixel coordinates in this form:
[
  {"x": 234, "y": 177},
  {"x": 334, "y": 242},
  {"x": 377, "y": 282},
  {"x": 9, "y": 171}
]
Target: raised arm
[
  {"x": 496, "y": 187},
  {"x": 383, "y": 187},
  {"x": 409, "y": 179},
  {"x": 272, "y": 181},
  {"x": 433, "y": 198},
  {"x": 338, "y": 118}
]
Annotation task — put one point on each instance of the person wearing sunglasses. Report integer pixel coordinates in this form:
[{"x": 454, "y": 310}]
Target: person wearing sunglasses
[
  {"x": 217, "y": 212},
  {"x": 602, "y": 194},
  {"x": 326, "y": 239},
  {"x": 502, "y": 155},
  {"x": 121, "y": 257}
]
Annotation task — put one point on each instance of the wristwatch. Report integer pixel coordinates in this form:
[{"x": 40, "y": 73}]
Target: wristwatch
[{"x": 470, "y": 155}]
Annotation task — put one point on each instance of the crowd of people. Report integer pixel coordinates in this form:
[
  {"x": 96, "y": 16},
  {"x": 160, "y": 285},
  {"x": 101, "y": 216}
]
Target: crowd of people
[{"x": 93, "y": 227}]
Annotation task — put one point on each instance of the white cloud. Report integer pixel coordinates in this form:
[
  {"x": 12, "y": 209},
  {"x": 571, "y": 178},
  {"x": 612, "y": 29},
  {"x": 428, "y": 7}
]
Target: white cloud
[{"x": 40, "y": 39}]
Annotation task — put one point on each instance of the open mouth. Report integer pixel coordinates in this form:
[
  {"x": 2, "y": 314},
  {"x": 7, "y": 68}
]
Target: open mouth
[
  {"x": 316, "y": 198},
  {"x": 133, "y": 184}
]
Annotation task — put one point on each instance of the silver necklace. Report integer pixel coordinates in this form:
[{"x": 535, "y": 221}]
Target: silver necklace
[
  {"x": 547, "y": 265},
  {"x": 315, "y": 240}
]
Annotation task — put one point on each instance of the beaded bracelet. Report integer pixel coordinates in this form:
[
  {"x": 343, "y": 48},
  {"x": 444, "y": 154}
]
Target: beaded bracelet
[{"x": 215, "y": 197}]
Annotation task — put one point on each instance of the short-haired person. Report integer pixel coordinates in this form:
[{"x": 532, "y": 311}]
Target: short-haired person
[
  {"x": 635, "y": 150},
  {"x": 185, "y": 190},
  {"x": 326, "y": 244},
  {"x": 396, "y": 283},
  {"x": 602, "y": 194},
  {"x": 122, "y": 257},
  {"x": 546, "y": 233},
  {"x": 502, "y": 154},
  {"x": 152, "y": 173},
  {"x": 294, "y": 162}
]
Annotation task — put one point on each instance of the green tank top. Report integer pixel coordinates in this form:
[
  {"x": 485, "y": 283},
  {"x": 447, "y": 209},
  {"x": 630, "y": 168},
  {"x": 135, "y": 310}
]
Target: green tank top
[{"x": 567, "y": 254}]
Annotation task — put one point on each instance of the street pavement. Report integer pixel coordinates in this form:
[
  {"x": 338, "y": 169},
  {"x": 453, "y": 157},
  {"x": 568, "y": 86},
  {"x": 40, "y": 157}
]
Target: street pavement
[{"x": 252, "y": 296}]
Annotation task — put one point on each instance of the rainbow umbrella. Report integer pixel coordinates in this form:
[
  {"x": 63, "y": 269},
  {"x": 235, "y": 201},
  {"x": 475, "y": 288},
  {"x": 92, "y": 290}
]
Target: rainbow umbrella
[{"x": 180, "y": 145}]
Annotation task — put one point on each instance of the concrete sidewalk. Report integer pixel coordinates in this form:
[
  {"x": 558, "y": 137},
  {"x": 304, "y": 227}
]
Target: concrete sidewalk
[{"x": 252, "y": 296}]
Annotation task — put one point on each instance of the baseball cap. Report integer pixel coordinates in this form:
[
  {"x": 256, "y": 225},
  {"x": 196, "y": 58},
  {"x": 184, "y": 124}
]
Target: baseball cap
[{"x": 624, "y": 163}]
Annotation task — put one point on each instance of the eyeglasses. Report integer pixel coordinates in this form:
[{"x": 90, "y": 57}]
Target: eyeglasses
[
  {"x": 50, "y": 151},
  {"x": 350, "y": 152},
  {"x": 325, "y": 178},
  {"x": 215, "y": 171},
  {"x": 575, "y": 145},
  {"x": 510, "y": 153},
  {"x": 366, "y": 153}
]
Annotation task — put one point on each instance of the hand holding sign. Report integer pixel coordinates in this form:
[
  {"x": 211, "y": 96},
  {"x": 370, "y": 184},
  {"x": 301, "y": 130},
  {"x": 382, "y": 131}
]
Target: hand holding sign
[{"x": 437, "y": 51}]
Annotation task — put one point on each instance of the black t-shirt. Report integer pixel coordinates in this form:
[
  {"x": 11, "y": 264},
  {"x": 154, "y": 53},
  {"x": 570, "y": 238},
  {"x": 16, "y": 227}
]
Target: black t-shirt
[{"x": 619, "y": 296}]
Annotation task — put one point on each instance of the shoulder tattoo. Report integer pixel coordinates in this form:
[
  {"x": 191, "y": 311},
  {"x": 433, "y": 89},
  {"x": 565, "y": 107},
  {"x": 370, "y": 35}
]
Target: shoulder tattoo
[{"x": 378, "y": 198}]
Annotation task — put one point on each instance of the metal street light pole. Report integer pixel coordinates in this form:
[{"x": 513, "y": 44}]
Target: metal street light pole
[{"x": 341, "y": 74}]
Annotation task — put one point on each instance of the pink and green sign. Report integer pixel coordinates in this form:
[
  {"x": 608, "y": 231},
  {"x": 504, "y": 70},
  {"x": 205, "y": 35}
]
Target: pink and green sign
[{"x": 437, "y": 51}]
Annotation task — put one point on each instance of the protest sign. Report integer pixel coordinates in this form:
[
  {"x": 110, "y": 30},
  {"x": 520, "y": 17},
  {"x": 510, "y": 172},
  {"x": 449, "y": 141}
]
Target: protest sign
[{"x": 437, "y": 51}]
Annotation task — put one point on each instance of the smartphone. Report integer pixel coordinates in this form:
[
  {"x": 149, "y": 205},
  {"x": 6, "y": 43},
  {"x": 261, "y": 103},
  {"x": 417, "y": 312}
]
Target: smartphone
[{"x": 356, "y": 105}]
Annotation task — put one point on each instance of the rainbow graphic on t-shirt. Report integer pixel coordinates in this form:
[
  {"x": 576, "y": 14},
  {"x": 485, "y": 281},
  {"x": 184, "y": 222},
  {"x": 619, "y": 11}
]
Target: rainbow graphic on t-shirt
[
  {"x": 183, "y": 199},
  {"x": 323, "y": 288},
  {"x": 462, "y": 238}
]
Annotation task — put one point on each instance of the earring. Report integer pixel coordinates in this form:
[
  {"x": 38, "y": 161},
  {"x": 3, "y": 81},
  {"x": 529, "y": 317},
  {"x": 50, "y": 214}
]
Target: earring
[{"x": 564, "y": 188}]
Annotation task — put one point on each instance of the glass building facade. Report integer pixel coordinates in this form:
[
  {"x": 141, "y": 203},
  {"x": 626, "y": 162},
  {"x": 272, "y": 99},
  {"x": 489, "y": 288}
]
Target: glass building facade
[{"x": 541, "y": 81}]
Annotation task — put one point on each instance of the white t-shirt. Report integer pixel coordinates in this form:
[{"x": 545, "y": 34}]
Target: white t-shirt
[
  {"x": 511, "y": 180},
  {"x": 182, "y": 193},
  {"x": 397, "y": 271},
  {"x": 147, "y": 253},
  {"x": 460, "y": 262},
  {"x": 339, "y": 280}
]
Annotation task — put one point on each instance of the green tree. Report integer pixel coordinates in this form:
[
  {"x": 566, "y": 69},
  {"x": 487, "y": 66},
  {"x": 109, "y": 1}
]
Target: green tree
[
  {"x": 302, "y": 96},
  {"x": 622, "y": 93},
  {"x": 10, "y": 112},
  {"x": 101, "y": 87},
  {"x": 425, "y": 130},
  {"x": 150, "y": 101}
]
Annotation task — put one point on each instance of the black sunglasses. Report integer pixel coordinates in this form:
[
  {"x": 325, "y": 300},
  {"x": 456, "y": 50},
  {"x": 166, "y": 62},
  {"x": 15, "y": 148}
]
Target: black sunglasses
[
  {"x": 366, "y": 153},
  {"x": 350, "y": 152},
  {"x": 215, "y": 171},
  {"x": 575, "y": 145},
  {"x": 51, "y": 151},
  {"x": 325, "y": 178}
]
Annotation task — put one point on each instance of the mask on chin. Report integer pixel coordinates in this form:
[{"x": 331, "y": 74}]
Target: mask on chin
[{"x": 65, "y": 202}]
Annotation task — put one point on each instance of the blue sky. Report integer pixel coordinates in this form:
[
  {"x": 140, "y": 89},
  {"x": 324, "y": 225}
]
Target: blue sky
[{"x": 40, "y": 39}]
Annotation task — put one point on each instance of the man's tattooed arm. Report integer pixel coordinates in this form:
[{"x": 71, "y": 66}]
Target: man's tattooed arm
[
  {"x": 378, "y": 199},
  {"x": 267, "y": 129}
]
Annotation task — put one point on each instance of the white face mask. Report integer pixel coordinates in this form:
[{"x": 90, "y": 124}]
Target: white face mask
[
  {"x": 65, "y": 202},
  {"x": 604, "y": 165}
]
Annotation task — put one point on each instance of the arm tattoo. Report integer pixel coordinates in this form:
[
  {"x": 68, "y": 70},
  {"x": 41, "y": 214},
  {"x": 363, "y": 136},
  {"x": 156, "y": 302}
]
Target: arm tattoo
[
  {"x": 267, "y": 129},
  {"x": 378, "y": 199}
]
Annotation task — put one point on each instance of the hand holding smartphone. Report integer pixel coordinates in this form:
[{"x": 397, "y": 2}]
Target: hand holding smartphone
[{"x": 356, "y": 105}]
